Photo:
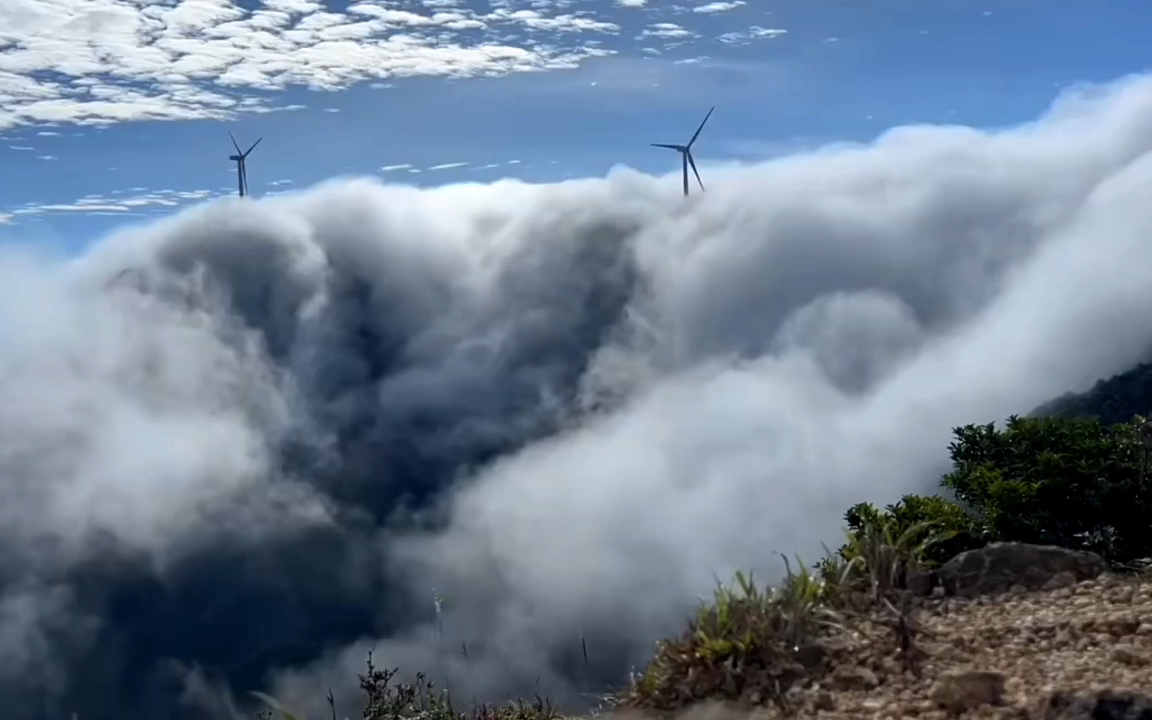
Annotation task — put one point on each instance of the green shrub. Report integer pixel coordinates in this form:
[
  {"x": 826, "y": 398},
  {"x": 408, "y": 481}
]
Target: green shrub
[
  {"x": 748, "y": 643},
  {"x": 936, "y": 529},
  {"x": 1071, "y": 482}
]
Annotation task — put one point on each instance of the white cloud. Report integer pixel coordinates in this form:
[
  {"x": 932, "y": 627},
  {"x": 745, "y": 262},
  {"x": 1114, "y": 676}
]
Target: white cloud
[
  {"x": 448, "y": 166},
  {"x": 632, "y": 3},
  {"x": 22, "y": 148},
  {"x": 753, "y": 33},
  {"x": 45, "y": 157},
  {"x": 391, "y": 168},
  {"x": 48, "y": 133},
  {"x": 330, "y": 110},
  {"x": 114, "y": 202},
  {"x": 716, "y": 7},
  {"x": 666, "y": 30},
  {"x": 106, "y": 61}
]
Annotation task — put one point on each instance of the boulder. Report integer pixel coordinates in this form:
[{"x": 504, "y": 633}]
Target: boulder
[
  {"x": 959, "y": 692},
  {"x": 1101, "y": 706},
  {"x": 996, "y": 568}
]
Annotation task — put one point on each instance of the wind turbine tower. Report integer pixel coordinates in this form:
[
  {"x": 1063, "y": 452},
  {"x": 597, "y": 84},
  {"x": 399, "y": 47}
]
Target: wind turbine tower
[
  {"x": 241, "y": 168},
  {"x": 686, "y": 154}
]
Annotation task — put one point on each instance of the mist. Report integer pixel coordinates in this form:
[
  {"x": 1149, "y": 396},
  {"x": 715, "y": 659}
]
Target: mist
[{"x": 244, "y": 445}]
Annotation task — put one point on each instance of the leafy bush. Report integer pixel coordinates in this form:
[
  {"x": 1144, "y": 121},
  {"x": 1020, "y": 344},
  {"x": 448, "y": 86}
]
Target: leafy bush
[
  {"x": 1071, "y": 482},
  {"x": 930, "y": 529},
  {"x": 749, "y": 643}
]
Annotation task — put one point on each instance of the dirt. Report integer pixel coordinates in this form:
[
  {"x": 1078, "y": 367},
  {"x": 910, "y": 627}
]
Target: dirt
[{"x": 999, "y": 657}]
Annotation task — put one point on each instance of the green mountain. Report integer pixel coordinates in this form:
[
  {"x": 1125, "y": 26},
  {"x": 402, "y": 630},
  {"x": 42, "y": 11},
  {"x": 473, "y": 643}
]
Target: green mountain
[{"x": 1114, "y": 400}]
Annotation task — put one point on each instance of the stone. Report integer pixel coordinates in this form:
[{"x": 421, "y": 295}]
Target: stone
[
  {"x": 854, "y": 677},
  {"x": 995, "y": 568},
  {"x": 920, "y": 583},
  {"x": 824, "y": 701},
  {"x": 1126, "y": 654},
  {"x": 960, "y": 691},
  {"x": 1102, "y": 706}
]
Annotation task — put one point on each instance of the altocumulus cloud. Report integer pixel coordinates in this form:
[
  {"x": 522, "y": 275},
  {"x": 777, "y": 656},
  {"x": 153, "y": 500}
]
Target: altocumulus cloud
[
  {"x": 246, "y": 443},
  {"x": 107, "y": 61}
]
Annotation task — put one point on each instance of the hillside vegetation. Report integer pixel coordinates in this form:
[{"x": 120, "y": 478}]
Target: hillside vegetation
[{"x": 873, "y": 628}]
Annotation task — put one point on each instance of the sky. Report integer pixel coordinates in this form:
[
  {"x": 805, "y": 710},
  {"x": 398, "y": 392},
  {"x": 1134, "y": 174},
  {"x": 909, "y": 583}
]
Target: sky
[{"x": 112, "y": 111}]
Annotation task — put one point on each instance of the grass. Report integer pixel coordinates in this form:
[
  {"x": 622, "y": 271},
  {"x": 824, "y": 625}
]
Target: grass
[
  {"x": 749, "y": 644},
  {"x": 385, "y": 698}
]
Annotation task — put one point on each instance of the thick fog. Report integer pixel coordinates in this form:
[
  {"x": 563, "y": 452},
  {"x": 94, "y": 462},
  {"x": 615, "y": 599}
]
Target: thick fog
[{"x": 242, "y": 446}]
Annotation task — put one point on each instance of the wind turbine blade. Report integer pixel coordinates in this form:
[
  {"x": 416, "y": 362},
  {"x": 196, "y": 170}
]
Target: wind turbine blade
[
  {"x": 239, "y": 179},
  {"x": 670, "y": 147},
  {"x": 252, "y": 148},
  {"x": 234, "y": 143},
  {"x": 701, "y": 127},
  {"x": 693, "y": 164}
]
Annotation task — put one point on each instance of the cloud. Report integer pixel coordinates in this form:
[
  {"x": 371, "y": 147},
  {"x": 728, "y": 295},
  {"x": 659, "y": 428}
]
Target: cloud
[
  {"x": 718, "y": 7},
  {"x": 666, "y": 30},
  {"x": 88, "y": 62},
  {"x": 754, "y": 32},
  {"x": 448, "y": 166},
  {"x": 632, "y": 3},
  {"x": 391, "y": 168},
  {"x": 564, "y": 407},
  {"x": 114, "y": 202}
]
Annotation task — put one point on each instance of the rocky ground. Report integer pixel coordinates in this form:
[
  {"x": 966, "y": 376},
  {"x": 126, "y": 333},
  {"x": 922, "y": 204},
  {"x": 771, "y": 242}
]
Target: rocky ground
[{"x": 1043, "y": 654}]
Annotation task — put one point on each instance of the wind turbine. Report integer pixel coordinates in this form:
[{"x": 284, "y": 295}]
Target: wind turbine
[
  {"x": 686, "y": 154},
  {"x": 241, "y": 169}
]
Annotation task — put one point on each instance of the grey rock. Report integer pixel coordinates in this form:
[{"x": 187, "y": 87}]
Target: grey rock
[
  {"x": 962, "y": 691},
  {"x": 995, "y": 568},
  {"x": 1102, "y": 706}
]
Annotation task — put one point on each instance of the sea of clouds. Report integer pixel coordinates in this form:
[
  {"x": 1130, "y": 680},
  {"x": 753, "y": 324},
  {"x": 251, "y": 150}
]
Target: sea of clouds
[{"x": 244, "y": 445}]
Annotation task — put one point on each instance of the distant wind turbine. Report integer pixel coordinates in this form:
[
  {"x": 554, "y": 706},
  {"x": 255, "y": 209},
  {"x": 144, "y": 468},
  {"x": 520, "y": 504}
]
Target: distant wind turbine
[
  {"x": 241, "y": 169},
  {"x": 686, "y": 154}
]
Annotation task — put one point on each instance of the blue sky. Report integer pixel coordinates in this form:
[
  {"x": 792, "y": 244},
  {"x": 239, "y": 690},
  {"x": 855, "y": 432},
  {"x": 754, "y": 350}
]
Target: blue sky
[{"x": 112, "y": 111}]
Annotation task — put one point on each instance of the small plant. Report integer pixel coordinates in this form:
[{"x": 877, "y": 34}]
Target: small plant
[
  {"x": 749, "y": 642},
  {"x": 388, "y": 700},
  {"x": 885, "y": 553}
]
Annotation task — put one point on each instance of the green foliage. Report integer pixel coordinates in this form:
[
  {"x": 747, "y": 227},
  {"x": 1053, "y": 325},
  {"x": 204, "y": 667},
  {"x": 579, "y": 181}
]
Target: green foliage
[
  {"x": 748, "y": 641},
  {"x": 1071, "y": 482},
  {"x": 929, "y": 528},
  {"x": 1113, "y": 400}
]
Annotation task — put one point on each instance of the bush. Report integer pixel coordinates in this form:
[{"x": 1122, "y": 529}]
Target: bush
[
  {"x": 936, "y": 529},
  {"x": 749, "y": 643},
  {"x": 1071, "y": 482}
]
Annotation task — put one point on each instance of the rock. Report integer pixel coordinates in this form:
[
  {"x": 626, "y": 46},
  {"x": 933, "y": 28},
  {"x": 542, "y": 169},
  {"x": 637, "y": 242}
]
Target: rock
[
  {"x": 854, "y": 677},
  {"x": 824, "y": 701},
  {"x": 1103, "y": 706},
  {"x": 920, "y": 583},
  {"x": 1126, "y": 654},
  {"x": 1059, "y": 580},
  {"x": 966, "y": 690},
  {"x": 995, "y": 568}
]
